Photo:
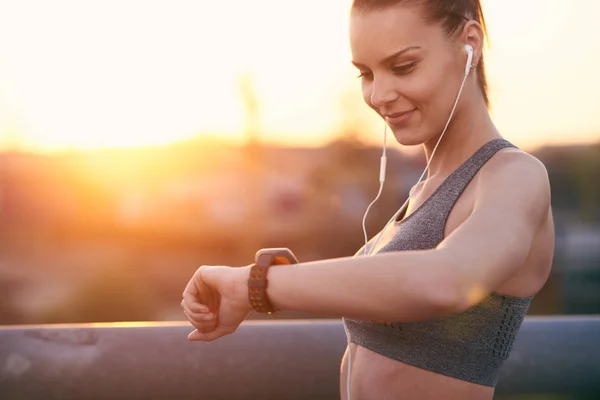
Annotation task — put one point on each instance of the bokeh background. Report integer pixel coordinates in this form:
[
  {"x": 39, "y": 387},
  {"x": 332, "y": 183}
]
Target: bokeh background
[{"x": 142, "y": 139}]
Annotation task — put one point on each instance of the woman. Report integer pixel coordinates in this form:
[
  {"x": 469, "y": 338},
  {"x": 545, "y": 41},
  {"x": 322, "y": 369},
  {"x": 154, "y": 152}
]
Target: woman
[{"x": 433, "y": 312}]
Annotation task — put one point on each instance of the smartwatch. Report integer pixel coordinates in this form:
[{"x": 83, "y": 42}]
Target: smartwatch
[{"x": 257, "y": 282}]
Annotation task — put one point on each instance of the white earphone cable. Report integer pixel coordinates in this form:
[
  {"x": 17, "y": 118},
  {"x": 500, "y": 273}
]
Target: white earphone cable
[
  {"x": 401, "y": 209},
  {"x": 371, "y": 251},
  {"x": 381, "y": 181}
]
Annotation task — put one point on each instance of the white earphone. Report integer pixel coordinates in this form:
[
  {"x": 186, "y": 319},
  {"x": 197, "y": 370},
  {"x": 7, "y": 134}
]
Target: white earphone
[
  {"x": 469, "y": 64},
  {"x": 370, "y": 251}
]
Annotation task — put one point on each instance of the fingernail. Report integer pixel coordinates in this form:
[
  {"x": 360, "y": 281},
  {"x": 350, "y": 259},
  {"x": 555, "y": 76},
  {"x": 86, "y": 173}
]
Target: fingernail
[{"x": 207, "y": 317}]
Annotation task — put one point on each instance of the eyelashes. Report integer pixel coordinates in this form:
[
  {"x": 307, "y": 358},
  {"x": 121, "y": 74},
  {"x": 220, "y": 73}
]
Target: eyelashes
[
  {"x": 404, "y": 69},
  {"x": 397, "y": 70}
]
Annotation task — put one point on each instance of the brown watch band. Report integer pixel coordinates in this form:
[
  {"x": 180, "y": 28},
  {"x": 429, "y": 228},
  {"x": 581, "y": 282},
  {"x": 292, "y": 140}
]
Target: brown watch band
[{"x": 257, "y": 282}]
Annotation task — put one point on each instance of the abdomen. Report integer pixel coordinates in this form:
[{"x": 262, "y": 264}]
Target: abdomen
[{"x": 375, "y": 377}]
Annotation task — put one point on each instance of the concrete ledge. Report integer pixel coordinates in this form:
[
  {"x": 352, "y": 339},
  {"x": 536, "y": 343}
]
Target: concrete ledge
[{"x": 262, "y": 360}]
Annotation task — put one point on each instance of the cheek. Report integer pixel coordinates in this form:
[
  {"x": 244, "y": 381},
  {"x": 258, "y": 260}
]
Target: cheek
[
  {"x": 431, "y": 93},
  {"x": 424, "y": 90}
]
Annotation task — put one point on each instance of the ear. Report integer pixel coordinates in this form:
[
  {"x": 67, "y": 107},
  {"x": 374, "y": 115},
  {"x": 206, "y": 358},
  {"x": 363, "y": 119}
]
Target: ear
[{"x": 473, "y": 34}]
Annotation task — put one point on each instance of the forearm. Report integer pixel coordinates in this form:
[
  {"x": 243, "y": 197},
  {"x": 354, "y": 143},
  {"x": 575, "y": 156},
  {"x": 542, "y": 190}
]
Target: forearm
[{"x": 399, "y": 286}]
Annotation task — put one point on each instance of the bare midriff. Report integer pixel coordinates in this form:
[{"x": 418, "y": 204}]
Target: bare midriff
[{"x": 375, "y": 377}]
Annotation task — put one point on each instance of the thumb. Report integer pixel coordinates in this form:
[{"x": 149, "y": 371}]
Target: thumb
[
  {"x": 195, "y": 335},
  {"x": 220, "y": 331}
]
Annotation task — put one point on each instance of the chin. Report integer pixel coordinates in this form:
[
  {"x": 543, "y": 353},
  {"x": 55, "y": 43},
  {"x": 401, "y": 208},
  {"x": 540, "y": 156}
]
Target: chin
[{"x": 408, "y": 137}]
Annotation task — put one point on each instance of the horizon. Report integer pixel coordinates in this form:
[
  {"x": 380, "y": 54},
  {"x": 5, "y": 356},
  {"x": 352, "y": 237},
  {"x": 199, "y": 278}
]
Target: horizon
[{"x": 224, "y": 142}]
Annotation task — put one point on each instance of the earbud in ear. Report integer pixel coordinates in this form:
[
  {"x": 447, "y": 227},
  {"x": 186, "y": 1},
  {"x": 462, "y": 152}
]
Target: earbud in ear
[{"x": 469, "y": 50}]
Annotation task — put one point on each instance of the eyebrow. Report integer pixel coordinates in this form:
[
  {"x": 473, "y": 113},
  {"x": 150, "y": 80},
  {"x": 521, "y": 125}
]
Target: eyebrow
[{"x": 392, "y": 56}]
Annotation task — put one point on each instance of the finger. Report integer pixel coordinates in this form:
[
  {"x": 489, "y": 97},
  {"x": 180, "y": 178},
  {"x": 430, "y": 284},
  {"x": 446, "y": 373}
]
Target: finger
[
  {"x": 196, "y": 291},
  {"x": 195, "y": 336},
  {"x": 190, "y": 288},
  {"x": 202, "y": 325},
  {"x": 190, "y": 296},
  {"x": 196, "y": 307},
  {"x": 198, "y": 317},
  {"x": 197, "y": 310},
  {"x": 205, "y": 327},
  {"x": 209, "y": 336},
  {"x": 194, "y": 304},
  {"x": 204, "y": 293}
]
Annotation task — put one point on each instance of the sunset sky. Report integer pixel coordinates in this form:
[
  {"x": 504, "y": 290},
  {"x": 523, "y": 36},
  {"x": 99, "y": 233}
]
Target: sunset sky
[{"x": 95, "y": 73}]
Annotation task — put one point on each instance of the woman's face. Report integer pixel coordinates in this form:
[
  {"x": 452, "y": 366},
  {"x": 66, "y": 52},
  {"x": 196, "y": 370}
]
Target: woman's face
[{"x": 410, "y": 70}]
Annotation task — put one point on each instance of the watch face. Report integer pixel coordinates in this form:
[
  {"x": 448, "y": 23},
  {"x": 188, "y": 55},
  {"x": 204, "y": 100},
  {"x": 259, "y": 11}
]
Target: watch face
[{"x": 276, "y": 256}]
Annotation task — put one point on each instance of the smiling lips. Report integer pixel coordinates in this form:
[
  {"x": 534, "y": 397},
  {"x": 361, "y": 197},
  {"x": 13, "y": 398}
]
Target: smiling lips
[{"x": 399, "y": 118}]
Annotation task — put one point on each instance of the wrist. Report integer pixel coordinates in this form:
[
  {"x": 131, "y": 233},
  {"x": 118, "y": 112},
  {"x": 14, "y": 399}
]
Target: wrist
[
  {"x": 230, "y": 282},
  {"x": 241, "y": 286}
]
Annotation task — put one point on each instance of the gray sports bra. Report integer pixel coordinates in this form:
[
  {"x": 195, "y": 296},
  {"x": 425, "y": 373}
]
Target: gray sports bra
[{"x": 470, "y": 346}]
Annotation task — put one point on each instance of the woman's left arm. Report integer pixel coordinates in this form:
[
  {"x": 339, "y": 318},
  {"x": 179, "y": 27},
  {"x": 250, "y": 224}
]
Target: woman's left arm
[{"x": 512, "y": 200}]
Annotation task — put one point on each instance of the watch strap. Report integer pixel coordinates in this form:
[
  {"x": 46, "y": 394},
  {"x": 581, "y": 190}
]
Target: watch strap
[{"x": 258, "y": 283}]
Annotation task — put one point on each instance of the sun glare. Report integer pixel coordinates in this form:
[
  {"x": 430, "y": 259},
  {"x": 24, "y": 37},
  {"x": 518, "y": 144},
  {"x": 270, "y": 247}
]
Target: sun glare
[{"x": 106, "y": 74}]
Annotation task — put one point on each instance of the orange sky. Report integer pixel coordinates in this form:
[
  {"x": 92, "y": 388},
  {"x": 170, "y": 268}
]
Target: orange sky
[{"x": 84, "y": 74}]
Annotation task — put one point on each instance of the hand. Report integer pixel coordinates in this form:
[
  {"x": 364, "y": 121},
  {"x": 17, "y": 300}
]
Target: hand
[{"x": 215, "y": 301}]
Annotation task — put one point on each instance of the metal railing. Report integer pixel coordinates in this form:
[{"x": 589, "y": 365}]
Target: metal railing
[{"x": 291, "y": 359}]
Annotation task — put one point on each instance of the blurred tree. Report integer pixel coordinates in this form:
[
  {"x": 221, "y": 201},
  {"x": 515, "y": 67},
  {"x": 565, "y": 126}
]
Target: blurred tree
[
  {"x": 574, "y": 178},
  {"x": 9, "y": 314},
  {"x": 113, "y": 295},
  {"x": 587, "y": 182}
]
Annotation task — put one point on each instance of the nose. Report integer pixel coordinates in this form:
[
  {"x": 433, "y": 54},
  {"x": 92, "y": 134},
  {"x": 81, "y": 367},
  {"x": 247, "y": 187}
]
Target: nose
[{"x": 382, "y": 92}]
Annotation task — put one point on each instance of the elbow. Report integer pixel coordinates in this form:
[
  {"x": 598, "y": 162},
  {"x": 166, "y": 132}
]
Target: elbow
[
  {"x": 433, "y": 301},
  {"x": 433, "y": 292},
  {"x": 445, "y": 294},
  {"x": 444, "y": 299},
  {"x": 434, "y": 298},
  {"x": 453, "y": 295}
]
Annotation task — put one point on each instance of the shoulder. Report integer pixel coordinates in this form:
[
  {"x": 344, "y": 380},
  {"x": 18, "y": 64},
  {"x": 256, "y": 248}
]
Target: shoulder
[
  {"x": 517, "y": 166},
  {"x": 514, "y": 178}
]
